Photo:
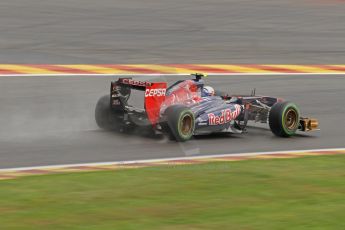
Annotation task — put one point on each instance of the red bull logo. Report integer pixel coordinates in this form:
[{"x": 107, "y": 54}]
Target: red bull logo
[{"x": 225, "y": 117}]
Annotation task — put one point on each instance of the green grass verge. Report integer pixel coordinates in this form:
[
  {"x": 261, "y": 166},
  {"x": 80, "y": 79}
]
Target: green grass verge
[{"x": 302, "y": 193}]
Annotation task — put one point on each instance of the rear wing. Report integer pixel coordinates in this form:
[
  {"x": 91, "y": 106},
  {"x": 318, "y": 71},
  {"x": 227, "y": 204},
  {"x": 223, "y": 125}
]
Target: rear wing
[
  {"x": 154, "y": 96},
  {"x": 133, "y": 84}
]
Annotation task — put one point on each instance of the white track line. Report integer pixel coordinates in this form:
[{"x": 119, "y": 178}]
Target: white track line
[
  {"x": 177, "y": 74},
  {"x": 168, "y": 159}
]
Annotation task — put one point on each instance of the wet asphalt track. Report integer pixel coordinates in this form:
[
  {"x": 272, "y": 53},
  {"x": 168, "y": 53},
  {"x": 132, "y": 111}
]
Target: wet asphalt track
[
  {"x": 178, "y": 31},
  {"x": 49, "y": 120}
]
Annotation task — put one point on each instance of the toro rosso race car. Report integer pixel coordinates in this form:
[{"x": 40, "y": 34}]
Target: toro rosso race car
[{"x": 188, "y": 108}]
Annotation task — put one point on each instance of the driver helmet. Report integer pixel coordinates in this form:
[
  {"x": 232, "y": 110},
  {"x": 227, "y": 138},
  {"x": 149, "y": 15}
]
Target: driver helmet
[{"x": 207, "y": 91}]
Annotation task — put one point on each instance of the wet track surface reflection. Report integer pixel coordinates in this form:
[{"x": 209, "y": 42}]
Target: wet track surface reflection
[{"x": 51, "y": 120}]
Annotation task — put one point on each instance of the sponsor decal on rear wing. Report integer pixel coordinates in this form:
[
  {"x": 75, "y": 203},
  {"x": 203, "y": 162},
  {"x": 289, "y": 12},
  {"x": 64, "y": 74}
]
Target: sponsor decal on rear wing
[
  {"x": 153, "y": 98},
  {"x": 134, "y": 84}
]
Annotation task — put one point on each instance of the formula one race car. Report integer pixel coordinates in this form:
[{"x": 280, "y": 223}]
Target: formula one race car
[{"x": 189, "y": 108}]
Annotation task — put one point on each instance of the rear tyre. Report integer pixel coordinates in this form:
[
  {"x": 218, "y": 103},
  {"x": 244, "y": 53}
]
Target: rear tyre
[
  {"x": 181, "y": 122},
  {"x": 106, "y": 118},
  {"x": 284, "y": 119}
]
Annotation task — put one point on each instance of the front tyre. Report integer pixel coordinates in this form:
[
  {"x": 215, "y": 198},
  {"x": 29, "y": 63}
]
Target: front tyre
[
  {"x": 181, "y": 122},
  {"x": 105, "y": 117},
  {"x": 284, "y": 119}
]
